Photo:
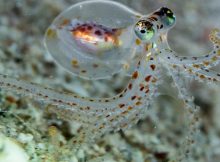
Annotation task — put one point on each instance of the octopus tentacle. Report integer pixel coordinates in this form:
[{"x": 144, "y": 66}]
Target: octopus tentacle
[
  {"x": 209, "y": 60},
  {"x": 68, "y": 114},
  {"x": 136, "y": 109},
  {"x": 191, "y": 108},
  {"x": 132, "y": 111},
  {"x": 50, "y": 96},
  {"x": 60, "y": 100},
  {"x": 98, "y": 112},
  {"x": 202, "y": 74}
]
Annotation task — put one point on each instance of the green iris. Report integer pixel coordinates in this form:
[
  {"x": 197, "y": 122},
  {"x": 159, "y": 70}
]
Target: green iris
[
  {"x": 168, "y": 18},
  {"x": 144, "y": 30}
]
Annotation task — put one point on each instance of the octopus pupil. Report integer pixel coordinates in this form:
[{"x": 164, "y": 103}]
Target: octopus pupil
[{"x": 143, "y": 31}]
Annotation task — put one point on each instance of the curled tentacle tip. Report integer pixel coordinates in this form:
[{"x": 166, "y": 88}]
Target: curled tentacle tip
[
  {"x": 216, "y": 30},
  {"x": 215, "y": 35}
]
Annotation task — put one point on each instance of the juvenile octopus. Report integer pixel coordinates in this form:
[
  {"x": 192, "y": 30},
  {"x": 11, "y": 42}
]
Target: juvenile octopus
[{"x": 91, "y": 43}]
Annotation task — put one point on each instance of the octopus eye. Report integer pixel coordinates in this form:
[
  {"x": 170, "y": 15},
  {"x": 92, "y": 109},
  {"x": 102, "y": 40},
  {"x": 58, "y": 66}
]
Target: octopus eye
[
  {"x": 144, "y": 30},
  {"x": 167, "y": 16}
]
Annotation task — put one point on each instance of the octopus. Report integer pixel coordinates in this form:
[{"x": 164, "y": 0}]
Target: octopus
[{"x": 97, "y": 48}]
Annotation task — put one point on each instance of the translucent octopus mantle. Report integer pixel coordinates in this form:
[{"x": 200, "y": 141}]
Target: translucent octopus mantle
[{"x": 180, "y": 61}]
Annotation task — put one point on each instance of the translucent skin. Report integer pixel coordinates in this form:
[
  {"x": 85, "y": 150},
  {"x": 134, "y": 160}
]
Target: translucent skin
[
  {"x": 93, "y": 44},
  {"x": 98, "y": 116}
]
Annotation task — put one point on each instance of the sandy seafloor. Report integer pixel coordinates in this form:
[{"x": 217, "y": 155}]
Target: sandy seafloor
[{"x": 36, "y": 135}]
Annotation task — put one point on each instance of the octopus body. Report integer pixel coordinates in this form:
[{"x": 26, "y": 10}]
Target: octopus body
[{"x": 121, "y": 35}]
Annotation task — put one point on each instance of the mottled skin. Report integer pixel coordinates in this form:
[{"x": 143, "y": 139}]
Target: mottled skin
[{"x": 122, "y": 111}]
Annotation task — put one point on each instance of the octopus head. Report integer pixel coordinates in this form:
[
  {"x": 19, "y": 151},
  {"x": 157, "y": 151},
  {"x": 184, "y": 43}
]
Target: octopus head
[{"x": 149, "y": 26}]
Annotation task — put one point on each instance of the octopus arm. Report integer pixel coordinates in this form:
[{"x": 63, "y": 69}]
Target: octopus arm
[
  {"x": 94, "y": 114},
  {"x": 62, "y": 99},
  {"x": 137, "y": 109},
  {"x": 67, "y": 105},
  {"x": 209, "y": 74},
  {"x": 190, "y": 107},
  {"x": 208, "y": 60},
  {"x": 134, "y": 108},
  {"x": 131, "y": 110},
  {"x": 202, "y": 74}
]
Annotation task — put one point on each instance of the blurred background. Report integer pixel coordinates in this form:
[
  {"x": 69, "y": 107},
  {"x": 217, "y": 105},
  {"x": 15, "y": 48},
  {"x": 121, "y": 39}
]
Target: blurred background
[{"x": 28, "y": 132}]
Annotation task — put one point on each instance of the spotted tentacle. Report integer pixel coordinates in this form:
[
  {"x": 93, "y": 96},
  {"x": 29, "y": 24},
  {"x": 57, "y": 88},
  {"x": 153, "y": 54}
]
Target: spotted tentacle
[
  {"x": 140, "y": 102},
  {"x": 93, "y": 113},
  {"x": 190, "y": 107},
  {"x": 202, "y": 74},
  {"x": 130, "y": 112},
  {"x": 206, "y": 61}
]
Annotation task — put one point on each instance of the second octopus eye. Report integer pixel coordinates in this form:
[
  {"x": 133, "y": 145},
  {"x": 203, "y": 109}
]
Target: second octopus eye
[
  {"x": 144, "y": 30},
  {"x": 167, "y": 16}
]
